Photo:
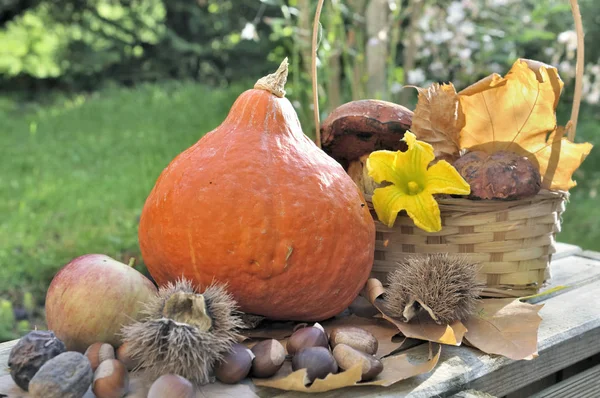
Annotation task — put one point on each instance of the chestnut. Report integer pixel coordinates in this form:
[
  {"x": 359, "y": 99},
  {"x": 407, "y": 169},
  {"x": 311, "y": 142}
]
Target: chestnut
[
  {"x": 235, "y": 365},
  {"x": 355, "y": 337},
  {"x": 111, "y": 379},
  {"x": 317, "y": 361},
  {"x": 98, "y": 353},
  {"x": 123, "y": 354},
  {"x": 172, "y": 386},
  {"x": 347, "y": 357},
  {"x": 269, "y": 357},
  {"x": 312, "y": 336}
]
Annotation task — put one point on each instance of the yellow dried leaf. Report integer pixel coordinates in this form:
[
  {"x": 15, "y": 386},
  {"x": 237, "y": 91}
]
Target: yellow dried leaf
[
  {"x": 395, "y": 369},
  {"x": 515, "y": 113},
  {"x": 505, "y": 327},
  {"x": 421, "y": 327},
  {"x": 438, "y": 120},
  {"x": 558, "y": 159}
]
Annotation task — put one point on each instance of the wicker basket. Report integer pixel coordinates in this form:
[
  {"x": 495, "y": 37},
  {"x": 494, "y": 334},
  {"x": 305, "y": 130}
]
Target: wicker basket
[{"x": 512, "y": 241}]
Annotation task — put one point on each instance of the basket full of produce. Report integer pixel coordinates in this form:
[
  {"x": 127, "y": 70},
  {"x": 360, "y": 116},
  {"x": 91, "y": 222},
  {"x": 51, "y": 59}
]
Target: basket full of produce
[{"x": 483, "y": 172}]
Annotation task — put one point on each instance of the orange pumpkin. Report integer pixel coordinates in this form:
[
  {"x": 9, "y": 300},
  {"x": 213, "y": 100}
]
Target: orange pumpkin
[{"x": 257, "y": 205}]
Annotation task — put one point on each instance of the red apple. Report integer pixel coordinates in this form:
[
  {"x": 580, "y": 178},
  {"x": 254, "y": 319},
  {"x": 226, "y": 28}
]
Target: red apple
[{"x": 92, "y": 297}]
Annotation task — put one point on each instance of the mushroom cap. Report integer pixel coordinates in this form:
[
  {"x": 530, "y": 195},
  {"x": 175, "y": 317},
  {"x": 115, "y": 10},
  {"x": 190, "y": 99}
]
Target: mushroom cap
[
  {"x": 502, "y": 175},
  {"x": 361, "y": 127}
]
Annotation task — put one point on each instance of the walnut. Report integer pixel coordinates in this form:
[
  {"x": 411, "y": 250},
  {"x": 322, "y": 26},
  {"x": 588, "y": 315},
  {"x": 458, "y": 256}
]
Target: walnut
[
  {"x": 30, "y": 353},
  {"x": 502, "y": 175}
]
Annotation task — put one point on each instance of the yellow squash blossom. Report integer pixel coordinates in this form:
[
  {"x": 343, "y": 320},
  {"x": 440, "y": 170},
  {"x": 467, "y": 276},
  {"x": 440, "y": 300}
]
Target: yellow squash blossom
[{"x": 413, "y": 184}]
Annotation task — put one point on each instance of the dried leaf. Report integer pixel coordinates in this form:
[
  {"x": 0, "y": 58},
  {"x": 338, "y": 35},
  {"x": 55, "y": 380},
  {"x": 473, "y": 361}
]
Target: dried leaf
[
  {"x": 516, "y": 113},
  {"x": 559, "y": 158},
  {"x": 438, "y": 120},
  {"x": 505, "y": 327},
  {"x": 421, "y": 327},
  {"x": 395, "y": 369}
]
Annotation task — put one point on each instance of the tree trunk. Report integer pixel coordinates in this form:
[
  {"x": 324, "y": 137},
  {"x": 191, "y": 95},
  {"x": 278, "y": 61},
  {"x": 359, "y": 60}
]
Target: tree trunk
[{"x": 378, "y": 12}]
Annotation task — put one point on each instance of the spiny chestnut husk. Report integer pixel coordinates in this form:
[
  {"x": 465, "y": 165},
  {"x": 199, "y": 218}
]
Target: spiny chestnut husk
[
  {"x": 184, "y": 332},
  {"x": 445, "y": 286}
]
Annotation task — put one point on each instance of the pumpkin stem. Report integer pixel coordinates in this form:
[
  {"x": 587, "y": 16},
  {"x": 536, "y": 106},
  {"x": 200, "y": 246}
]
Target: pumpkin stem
[{"x": 275, "y": 82}]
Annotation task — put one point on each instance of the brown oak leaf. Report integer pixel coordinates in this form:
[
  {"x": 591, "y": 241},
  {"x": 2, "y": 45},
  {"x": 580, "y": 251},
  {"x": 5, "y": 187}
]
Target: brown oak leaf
[
  {"x": 438, "y": 120},
  {"x": 505, "y": 327}
]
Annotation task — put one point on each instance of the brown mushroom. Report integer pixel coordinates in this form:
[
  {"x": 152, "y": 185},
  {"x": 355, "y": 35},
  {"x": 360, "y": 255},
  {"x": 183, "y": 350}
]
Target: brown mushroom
[
  {"x": 355, "y": 129},
  {"x": 360, "y": 127}
]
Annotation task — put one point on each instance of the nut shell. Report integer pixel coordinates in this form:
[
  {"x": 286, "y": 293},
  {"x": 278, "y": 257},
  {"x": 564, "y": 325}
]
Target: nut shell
[
  {"x": 502, "y": 175},
  {"x": 355, "y": 337},
  {"x": 317, "y": 361},
  {"x": 98, "y": 353},
  {"x": 269, "y": 356},
  {"x": 348, "y": 357},
  {"x": 235, "y": 365},
  {"x": 312, "y": 336},
  {"x": 67, "y": 375},
  {"x": 123, "y": 354},
  {"x": 30, "y": 353},
  {"x": 111, "y": 379},
  {"x": 172, "y": 386}
]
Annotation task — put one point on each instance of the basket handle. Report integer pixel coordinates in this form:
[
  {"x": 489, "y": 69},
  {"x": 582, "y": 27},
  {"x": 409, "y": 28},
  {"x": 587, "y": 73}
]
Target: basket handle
[{"x": 579, "y": 68}]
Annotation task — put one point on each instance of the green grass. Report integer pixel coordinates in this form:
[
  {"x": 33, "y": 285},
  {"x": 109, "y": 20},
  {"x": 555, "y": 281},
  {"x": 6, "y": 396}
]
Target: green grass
[{"x": 74, "y": 174}]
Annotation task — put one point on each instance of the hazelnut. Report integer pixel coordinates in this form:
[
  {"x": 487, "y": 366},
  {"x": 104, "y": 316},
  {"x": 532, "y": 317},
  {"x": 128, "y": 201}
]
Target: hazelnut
[
  {"x": 312, "y": 336},
  {"x": 347, "y": 357},
  {"x": 111, "y": 379},
  {"x": 67, "y": 375},
  {"x": 235, "y": 365},
  {"x": 98, "y": 353},
  {"x": 269, "y": 357},
  {"x": 30, "y": 353},
  {"x": 123, "y": 354},
  {"x": 172, "y": 386},
  {"x": 355, "y": 337},
  {"x": 317, "y": 361}
]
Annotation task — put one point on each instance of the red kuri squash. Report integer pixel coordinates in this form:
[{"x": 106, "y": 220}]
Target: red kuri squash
[{"x": 257, "y": 205}]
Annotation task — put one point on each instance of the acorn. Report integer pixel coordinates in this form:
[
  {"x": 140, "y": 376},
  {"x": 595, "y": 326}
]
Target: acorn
[
  {"x": 111, "y": 379},
  {"x": 235, "y": 365},
  {"x": 269, "y": 356},
  {"x": 311, "y": 336},
  {"x": 98, "y": 353},
  {"x": 184, "y": 332},
  {"x": 444, "y": 286},
  {"x": 317, "y": 361},
  {"x": 172, "y": 386}
]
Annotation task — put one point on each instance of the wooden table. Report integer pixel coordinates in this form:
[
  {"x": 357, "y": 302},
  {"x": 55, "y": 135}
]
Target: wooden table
[{"x": 569, "y": 334}]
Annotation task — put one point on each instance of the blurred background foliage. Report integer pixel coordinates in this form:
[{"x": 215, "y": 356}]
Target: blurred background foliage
[{"x": 97, "y": 96}]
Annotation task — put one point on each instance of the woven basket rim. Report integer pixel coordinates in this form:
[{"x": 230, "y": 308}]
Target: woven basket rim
[{"x": 489, "y": 205}]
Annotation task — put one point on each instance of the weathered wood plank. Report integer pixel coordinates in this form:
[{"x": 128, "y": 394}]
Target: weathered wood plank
[
  {"x": 565, "y": 250},
  {"x": 586, "y": 383}
]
